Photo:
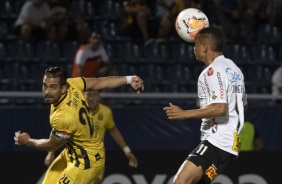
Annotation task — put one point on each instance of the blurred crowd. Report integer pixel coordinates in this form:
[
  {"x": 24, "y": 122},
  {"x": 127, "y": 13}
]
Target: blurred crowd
[
  {"x": 61, "y": 20},
  {"x": 98, "y": 32}
]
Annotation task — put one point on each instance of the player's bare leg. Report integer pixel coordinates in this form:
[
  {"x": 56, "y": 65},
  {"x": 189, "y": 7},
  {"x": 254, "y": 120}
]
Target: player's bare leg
[{"x": 188, "y": 173}]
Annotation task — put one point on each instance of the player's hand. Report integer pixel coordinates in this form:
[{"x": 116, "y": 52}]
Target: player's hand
[
  {"x": 49, "y": 158},
  {"x": 133, "y": 162},
  {"x": 137, "y": 84},
  {"x": 174, "y": 112},
  {"x": 21, "y": 138}
]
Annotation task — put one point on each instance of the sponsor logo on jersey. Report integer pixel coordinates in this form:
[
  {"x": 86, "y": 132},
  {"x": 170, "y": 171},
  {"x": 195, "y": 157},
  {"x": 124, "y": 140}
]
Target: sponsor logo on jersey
[
  {"x": 69, "y": 103},
  {"x": 214, "y": 96},
  {"x": 220, "y": 85},
  {"x": 210, "y": 71},
  {"x": 211, "y": 172},
  {"x": 214, "y": 129},
  {"x": 233, "y": 76},
  {"x": 206, "y": 84}
]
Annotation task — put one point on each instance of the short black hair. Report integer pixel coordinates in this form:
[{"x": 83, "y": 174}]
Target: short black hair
[
  {"x": 216, "y": 37},
  {"x": 55, "y": 71}
]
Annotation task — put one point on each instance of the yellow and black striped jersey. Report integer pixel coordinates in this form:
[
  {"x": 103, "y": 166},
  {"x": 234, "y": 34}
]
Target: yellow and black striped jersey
[{"x": 70, "y": 120}]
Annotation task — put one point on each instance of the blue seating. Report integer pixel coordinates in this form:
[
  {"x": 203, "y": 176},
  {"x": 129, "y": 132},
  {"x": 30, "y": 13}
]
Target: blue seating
[
  {"x": 264, "y": 53},
  {"x": 179, "y": 52},
  {"x": 128, "y": 51},
  {"x": 267, "y": 33},
  {"x": 30, "y": 76},
  {"x": 152, "y": 72},
  {"x": 48, "y": 52},
  {"x": 8, "y": 75},
  {"x": 20, "y": 51},
  {"x": 158, "y": 51},
  {"x": 178, "y": 72},
  {"x": 3, "y": 52},
  {"x": 111, "y": 50},
  {"x": 239, "y": 53},
  {"x": 69, "y": 50},
  {"x": 111, "y": 9}
]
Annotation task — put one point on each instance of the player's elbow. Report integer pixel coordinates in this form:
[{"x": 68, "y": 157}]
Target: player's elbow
[{"x": 221, "y": 109}]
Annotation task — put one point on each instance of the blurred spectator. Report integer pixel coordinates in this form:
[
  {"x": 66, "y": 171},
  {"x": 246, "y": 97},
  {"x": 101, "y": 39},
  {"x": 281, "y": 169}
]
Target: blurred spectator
[
  {"x": 276, "y": 14},
  {"x": 136, "y": 17},
  {"x": 67, "y": 25},
  {"x": 250, "y": 138},
  {"x": 162, "y": 6},
  {"x": 262, "y": 13},
  {"x": 277, "y": 83},
  {"x": 34, "y": 21},
  {"x": 237, "y": 19},
  {"x": 170, "y": 11},
  {"x": 91, "y": 59}
]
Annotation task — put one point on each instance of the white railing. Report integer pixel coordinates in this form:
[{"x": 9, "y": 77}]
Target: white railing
[{"x": 142, "y": 95}]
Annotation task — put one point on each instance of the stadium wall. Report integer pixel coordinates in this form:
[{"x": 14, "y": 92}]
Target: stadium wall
[
  {"x": 160, "y": 145},
  {"x": 143, "y": 128}
]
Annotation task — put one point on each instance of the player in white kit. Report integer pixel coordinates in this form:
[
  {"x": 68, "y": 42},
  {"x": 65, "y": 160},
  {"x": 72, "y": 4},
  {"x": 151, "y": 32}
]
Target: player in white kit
[{"x": 222, "y": 96}]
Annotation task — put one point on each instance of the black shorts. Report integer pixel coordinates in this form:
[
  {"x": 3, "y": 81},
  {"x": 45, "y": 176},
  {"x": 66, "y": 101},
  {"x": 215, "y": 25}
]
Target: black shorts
[{"x": 212, "y": 159}]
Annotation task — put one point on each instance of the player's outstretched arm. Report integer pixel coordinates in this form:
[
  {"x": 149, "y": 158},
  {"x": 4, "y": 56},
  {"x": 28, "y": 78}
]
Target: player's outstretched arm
[
  {"x": 113, "y": 82},
  {"x": 212, "y": 110},
  {"x": 117, "y": 136},
  {"x": 50, "y": 144}
]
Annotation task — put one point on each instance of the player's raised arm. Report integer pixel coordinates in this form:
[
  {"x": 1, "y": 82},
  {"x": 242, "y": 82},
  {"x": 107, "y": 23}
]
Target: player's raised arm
[{"x": 113, "y": 82}]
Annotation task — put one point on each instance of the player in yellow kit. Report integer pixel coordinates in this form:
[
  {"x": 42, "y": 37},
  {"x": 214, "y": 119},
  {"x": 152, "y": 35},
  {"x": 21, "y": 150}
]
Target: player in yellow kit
[
  {"x": 83, "y": 158},
  {"x": 102, "y": 117}
]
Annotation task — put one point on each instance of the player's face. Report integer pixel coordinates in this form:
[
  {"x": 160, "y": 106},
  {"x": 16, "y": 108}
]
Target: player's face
[
  {"x": 52, "y": 90},
  {"x": 95, "y": 41},
  {"x": 199, "y": 50},
  {"x": 92, "y": 98}
]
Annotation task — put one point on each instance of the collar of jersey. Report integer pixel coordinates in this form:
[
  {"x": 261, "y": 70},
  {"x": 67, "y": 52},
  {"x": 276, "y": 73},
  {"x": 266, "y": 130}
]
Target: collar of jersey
[
  {"x": 62, "y": 99},
  {"x": 96, "y": 109}
]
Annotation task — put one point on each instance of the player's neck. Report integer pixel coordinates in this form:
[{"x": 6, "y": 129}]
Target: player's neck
[{"x": 210, "y": 57}]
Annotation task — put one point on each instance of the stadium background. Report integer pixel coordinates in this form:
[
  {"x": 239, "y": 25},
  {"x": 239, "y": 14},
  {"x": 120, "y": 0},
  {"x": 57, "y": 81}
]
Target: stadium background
[{"x": 160, "y": 144}]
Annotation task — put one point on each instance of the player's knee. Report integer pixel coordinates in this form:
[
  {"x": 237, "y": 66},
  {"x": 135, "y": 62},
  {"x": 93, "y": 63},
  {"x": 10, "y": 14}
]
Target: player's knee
[{"x": 180, "y": 180}]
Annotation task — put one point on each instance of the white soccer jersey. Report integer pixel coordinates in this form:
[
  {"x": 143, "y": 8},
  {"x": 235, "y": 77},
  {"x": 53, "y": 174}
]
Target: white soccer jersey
[
  {"x": 87, "y": 53},
  {"x": 223, "y": 82}
]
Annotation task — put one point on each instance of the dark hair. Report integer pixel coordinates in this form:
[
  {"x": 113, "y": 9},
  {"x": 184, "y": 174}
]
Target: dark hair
[
  {"x": 55, "y": 71},
  {"x": 216, "y": 37}
]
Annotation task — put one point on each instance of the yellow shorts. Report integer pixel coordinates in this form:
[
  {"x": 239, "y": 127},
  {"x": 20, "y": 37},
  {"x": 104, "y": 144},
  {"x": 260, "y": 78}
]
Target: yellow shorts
[{"x": 63, "y": 171}]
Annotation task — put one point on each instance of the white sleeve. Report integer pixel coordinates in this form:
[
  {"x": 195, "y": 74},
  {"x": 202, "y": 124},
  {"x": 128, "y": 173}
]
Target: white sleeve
[
  {"x": 240, "y": 108},
  {"x": 80, "y": 58},
  {"x": 25, "y": 10},
  {"x": 241, "y": 101},
  {"x": 217, "y": 85},
  {"x": 277, "y": 77},
  {"x": 104, "y": 55}
]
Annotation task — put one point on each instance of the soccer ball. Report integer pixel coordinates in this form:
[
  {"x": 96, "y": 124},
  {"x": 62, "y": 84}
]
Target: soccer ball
[{"x": 189, "y": 22}]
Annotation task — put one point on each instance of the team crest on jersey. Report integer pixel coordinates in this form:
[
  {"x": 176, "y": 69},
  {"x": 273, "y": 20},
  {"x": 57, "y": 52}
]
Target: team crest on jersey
[
  {"x": 214, "y": 129},
  {"x": 213, "y": 95},
  {"x": 211, "y": 172},
  {"x": 100, "y": 116},
  {"x": 210, "y": 71}
]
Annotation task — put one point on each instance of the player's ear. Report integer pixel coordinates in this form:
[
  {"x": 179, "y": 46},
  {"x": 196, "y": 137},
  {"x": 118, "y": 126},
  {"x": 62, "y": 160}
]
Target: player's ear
[
  {"x": 205, "y": 48},
  {"x": 64, "y": 88}
]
